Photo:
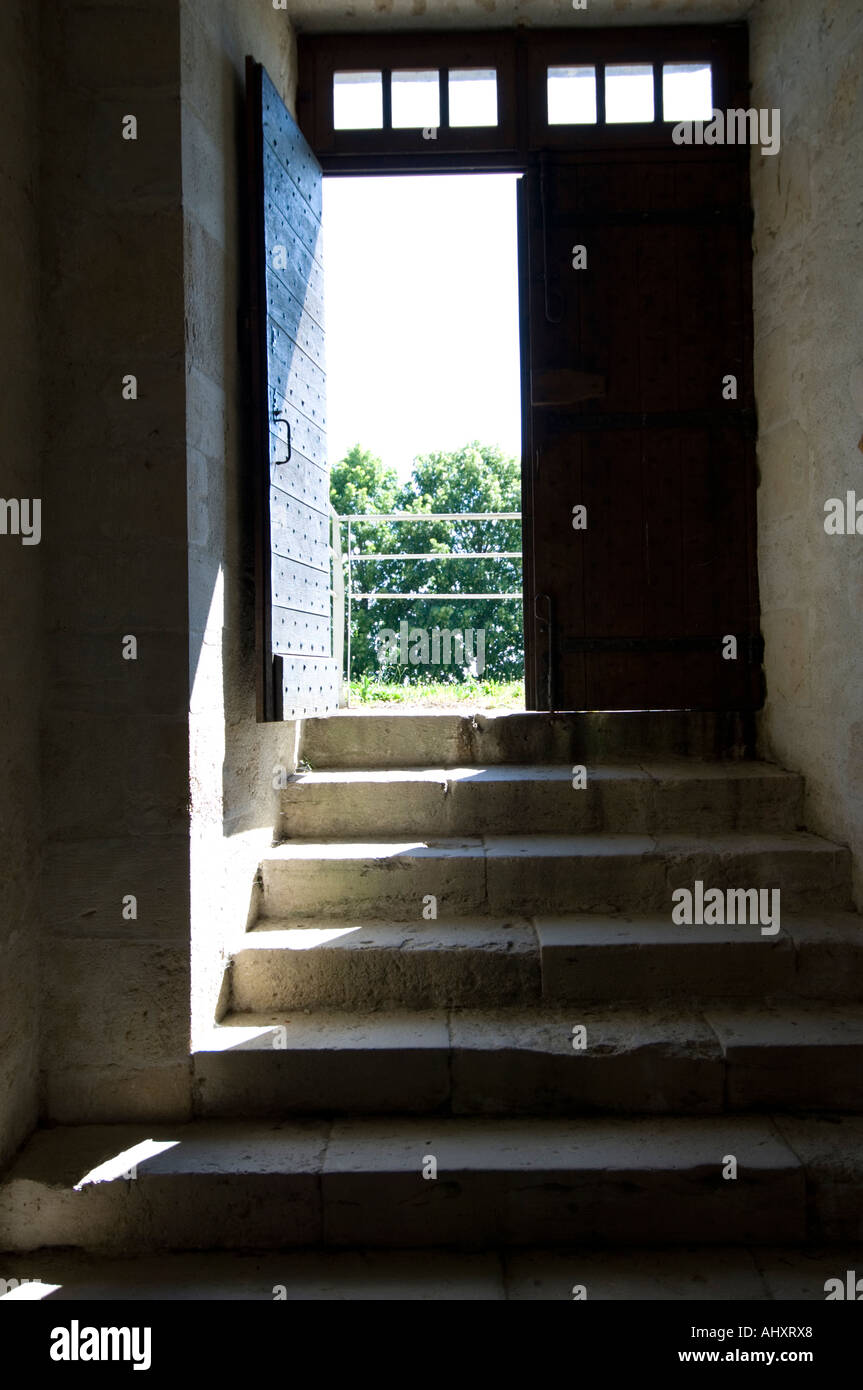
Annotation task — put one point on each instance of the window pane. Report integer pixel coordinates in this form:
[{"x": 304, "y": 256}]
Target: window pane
[
  {"x": 472, "y": 96},
  {"x": 358, "y": 101},
  {"x": 572, "y": 96},
  {"x": 687, "y": 92},
  {"x": 416, "y": 99},
  {"x": 629, "y": 92}
]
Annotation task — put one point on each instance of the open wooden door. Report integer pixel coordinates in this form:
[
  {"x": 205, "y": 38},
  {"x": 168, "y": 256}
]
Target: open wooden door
[
  {"x": 641, "y": 413},
  {"x": 298, "y": 672}
]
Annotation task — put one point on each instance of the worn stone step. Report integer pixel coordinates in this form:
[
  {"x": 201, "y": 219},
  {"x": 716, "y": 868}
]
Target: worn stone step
[
  {"x": 356, "y": 1181},
  {"x": 648, "y": 1274},
  {"x": 530, "y": 874},
  {"x": 461, "y": 1062},
  {"x": 325, "y": 1062},
  {"x": 796, "y": 1056},
  {"x": 284, "y": 964},
  {"x": 791, "y": 1056},
  {"x": 373, "y": 965},
  {"x": 652, "y": 797},
  {"x": 377, "y": 739},
  {"x": 590, "y": 957},
  {"x": 830, "y": 1148}
]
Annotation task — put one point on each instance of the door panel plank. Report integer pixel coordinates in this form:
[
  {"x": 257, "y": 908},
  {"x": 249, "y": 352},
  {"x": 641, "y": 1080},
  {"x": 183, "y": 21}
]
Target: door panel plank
[
  {"x": 298, "y": 532},
  {"x": 291, "y": 322},
  {"x": 300, "y": 477},
  {"x": 298, "y": 378},
  {"x": 285, "y": 208},
  {"x": 309, "y": 588}
]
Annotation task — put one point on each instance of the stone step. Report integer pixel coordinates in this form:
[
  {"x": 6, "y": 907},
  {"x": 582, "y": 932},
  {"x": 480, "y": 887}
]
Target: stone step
[
  {"x": 373, "y": 965},
  {"x": 283, "y": 965},
  {"x": 351, "y": 739},
  {"x": 653, "y": 797},
  {"x": 713, "y": 1273},
  {"x": 815, "y": 955},
  {"x": 519, "y": 1182},
  {"x": 792, "y": 1056},
  {"x": 530, "y": 874}
]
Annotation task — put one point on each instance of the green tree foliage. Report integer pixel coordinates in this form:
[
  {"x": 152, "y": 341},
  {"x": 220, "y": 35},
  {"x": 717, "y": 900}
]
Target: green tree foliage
[
  {"x": 360, "y": 483},
  {"x": 476, "y": 478}
]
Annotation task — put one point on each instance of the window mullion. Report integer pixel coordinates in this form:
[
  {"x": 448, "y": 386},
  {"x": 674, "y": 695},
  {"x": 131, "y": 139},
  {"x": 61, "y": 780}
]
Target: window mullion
[
  {"x": 657, "y": 93},
  {"x": 443, "y": 77},
  {"x": 387, "y": 84}
]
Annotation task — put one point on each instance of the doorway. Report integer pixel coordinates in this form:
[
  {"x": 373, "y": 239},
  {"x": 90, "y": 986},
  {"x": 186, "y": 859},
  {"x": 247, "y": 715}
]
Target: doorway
[
  {"x": 638, "y": 428},
  {"x": 424, "y": 419}
]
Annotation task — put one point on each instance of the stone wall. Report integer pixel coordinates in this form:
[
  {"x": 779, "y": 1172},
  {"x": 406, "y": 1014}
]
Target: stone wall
[
  {"x": 141, "y": 246},
  {"x": 20, "y": 583},
  {"x": 149, "y": 765},
  {"x": 808, "y": 299},
  {"x": 340, "y": 16},
  {"x": 115, "y": 732},
  {"x": 234, "y": 805}
]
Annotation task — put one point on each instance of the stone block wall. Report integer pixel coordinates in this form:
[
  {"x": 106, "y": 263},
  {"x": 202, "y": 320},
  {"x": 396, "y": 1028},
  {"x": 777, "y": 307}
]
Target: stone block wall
[
  {"x": 151, "y": 778},
  {"x": 234, "y": 805},
  {"x": 20, "y": 579},
  {"x": 808, "y": 303},
  {"x": 115, "y": 731}
]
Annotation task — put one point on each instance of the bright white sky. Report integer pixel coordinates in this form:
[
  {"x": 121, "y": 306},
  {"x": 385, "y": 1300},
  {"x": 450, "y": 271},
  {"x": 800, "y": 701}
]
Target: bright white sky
[{"x": 421, "y": 314}]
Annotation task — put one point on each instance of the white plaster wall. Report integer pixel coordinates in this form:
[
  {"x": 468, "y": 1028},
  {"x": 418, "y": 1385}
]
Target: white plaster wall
[
  {"x": 808, "y": 305},
  {"x": 234, "y": 805},
  {"x": 20, "y": 580}
]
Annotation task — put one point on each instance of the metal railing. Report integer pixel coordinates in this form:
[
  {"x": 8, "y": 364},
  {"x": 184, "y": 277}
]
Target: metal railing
[{"x": 348, "y": 554}]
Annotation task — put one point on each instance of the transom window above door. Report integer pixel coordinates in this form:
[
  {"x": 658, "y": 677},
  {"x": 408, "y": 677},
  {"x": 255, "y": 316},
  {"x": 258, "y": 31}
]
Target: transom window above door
[
  {"x": 629, "y": 93},
  {"x": 398, "y": 101},
  {"x": 415, "y": 99}
]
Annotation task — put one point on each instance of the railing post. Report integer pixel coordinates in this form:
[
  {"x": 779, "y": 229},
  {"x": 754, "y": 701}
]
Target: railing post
[
  {"x": 338, "y": 602},
  {"x": 350, "y": 611}
]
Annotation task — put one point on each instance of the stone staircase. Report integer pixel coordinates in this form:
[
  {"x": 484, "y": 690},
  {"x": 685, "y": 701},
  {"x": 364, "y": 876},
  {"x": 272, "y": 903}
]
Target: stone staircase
[{"x": 465, "y": 1017}]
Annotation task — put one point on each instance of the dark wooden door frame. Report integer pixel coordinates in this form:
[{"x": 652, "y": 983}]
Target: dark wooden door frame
[{"x": 517, "y": 146}]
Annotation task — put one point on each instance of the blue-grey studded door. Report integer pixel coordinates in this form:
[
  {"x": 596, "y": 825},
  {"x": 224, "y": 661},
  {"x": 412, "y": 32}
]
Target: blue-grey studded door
[{"x": 298, "y": 672}]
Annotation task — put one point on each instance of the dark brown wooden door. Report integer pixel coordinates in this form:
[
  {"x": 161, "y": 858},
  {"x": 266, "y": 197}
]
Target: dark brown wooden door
[
  {"x": 298, "y": 673},
  {"x": 633, "y": 416}
]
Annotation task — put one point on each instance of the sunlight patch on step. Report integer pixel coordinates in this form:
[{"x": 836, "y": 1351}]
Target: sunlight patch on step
[
  {"x": 123, "y": 1164},
  {"x": 307, "y": 938},
  {"x": 29, "y": 1291},
  {"x": 363, "y": 849}
]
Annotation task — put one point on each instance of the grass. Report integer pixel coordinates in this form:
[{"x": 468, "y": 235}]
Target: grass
[{"x": 480, "y": 694}]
